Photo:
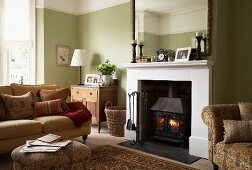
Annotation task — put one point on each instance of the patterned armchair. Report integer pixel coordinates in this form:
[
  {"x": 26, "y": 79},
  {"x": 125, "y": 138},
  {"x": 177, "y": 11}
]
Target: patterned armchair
[{"x": 236, "y": 156}]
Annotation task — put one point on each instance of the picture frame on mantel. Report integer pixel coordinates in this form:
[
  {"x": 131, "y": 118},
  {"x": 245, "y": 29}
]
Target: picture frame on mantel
[
  {"x": 183, "y": 54},
  {"x": 62, "y": 55}
]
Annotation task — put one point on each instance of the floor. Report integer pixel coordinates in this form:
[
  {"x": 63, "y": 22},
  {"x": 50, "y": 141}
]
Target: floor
[{"x": 102, "y": 138}]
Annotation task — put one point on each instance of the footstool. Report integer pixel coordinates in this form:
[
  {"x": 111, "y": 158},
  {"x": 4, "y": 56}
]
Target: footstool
[{"x": 74, "y": 156}]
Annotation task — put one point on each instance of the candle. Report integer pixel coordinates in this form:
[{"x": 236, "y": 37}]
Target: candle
[
  {"x": 199, "y": 33},
  {"x": 133, "y": 42},
  {"x": 140, "y": 43}
]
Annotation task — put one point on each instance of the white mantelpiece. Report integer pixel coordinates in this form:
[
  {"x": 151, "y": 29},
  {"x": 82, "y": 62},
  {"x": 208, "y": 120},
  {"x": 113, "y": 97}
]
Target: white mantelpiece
[{"x": 199, "y": 73}]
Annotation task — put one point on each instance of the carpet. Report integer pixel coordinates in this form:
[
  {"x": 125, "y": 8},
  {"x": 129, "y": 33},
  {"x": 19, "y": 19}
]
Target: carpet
[
  {"x": 165, "y": 150},
  {"x": 108, "y": 157}
]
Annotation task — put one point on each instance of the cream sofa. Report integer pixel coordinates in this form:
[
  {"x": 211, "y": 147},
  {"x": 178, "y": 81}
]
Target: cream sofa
[{"x": 14, "y": 133}]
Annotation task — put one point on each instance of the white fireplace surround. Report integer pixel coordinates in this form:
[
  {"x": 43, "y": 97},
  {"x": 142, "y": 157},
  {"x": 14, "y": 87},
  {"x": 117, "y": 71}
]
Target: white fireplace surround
[{"x": 199, "y": 73}]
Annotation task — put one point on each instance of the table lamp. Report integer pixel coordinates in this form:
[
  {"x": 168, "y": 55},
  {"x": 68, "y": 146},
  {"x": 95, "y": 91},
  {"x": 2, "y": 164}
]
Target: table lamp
[{"x": 78, "y": 59}]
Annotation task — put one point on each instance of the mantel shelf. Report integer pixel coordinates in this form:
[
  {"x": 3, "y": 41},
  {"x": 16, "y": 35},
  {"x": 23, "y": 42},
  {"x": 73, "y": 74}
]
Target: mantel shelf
[{"x": 198, "y": 63}]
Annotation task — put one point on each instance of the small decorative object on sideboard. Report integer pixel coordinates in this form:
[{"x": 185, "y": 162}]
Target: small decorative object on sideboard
[
  {"x": 106, "y": 69},
  {"x": 199, "y": 36}
]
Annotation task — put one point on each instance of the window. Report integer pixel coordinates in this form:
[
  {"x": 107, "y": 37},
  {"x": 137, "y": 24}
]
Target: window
[{"x": 17, "y": 41}]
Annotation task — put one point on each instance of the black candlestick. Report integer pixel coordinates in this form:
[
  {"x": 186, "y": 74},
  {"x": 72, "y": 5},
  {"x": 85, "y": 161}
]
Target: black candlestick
[
  {"x": 205, "y": 44},
  {"x": 141, "y": 50},
  {"x": 134, "y": 52},
  {"x": 198, "y": 54}
]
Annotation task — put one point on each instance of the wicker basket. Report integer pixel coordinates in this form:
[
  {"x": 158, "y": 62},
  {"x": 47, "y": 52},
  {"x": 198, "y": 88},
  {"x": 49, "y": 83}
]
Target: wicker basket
[{"x": 116, "y": 118}]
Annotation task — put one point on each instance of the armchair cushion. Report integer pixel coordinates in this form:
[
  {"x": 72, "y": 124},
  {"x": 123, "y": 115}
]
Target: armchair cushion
[
  {"x": 237, "y": 131},
  {"x": 245, "y": 110}
]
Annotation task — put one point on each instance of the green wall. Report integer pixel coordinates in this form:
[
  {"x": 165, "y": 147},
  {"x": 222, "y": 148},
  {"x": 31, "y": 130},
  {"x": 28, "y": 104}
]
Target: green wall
[
  {"x": 55, "y": 28},
  {"x": 154, "y": 42},
  {"x": 151, "y": 43},
  {"x": 232, "y": 43},
  {"x": 106, "y": 34},
  {"x": 174, "y": 41}
]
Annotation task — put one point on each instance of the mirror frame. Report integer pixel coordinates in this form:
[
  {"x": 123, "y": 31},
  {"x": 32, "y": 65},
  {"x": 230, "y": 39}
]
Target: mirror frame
[{"x": 208, "y": 30}]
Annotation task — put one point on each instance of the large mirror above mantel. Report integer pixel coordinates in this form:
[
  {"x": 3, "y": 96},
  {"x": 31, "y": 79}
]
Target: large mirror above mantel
[{"x": 171, "y": 24}]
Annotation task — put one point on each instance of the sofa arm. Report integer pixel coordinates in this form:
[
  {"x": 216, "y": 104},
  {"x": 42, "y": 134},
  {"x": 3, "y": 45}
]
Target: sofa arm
[{"x": 213, "y": 117}]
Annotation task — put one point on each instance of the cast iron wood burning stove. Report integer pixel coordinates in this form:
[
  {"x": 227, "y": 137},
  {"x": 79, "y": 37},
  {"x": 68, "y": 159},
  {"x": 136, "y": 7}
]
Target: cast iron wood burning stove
[{"x": 171, "y": 120}]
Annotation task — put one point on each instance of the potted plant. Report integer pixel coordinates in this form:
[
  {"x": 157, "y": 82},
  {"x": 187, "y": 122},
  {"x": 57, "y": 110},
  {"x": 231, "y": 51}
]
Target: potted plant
[{"x": 106, "y": 69}]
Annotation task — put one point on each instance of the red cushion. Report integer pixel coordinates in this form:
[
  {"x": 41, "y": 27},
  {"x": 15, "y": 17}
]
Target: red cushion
[
  {"x": 50, "y": 107},
  {"x": 79, "y": 113}
]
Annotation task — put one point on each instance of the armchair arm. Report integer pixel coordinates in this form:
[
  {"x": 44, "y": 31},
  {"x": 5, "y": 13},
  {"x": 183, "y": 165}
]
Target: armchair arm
[{"x": 213, "y": 117}]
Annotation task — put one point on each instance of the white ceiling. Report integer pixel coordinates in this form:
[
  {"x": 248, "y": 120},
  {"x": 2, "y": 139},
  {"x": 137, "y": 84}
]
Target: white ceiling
[{"x": 169, "y": 6}]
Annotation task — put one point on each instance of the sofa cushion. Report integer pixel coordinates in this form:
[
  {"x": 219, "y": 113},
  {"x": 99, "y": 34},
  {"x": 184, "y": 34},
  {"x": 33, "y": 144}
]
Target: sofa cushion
[
  {"x": 45, "y": 108},
  {"x": 46, "y": 95},
  {"x": 18, "y": 128},
  {"x": 55, "y": 123},
  {"x": 237, "y": 131},
  {"x": 245, "y": 110},
  {"x": 18, "y": 107},
  {"x": 19, "y": 89},
  {"x": 233, "y": 155},
  {"x": 3, "y": 115}
]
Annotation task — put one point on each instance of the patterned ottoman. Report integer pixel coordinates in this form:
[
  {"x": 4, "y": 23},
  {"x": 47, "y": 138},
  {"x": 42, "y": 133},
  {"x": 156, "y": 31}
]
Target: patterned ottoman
[{"x": 74, "y": 156}]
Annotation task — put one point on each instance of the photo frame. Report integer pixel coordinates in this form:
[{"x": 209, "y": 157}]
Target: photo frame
[
  {"x": 183, "y": 54},
  {"x": 92, "y": 79},
  {"x": 62, "y": 55}
]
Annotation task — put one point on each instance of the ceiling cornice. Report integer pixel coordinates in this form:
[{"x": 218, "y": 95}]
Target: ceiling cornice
[{"x": 77, "y": 7}]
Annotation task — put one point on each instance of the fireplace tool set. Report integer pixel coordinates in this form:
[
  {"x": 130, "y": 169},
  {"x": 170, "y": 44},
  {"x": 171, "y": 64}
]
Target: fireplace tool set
[{"x": 134, "y": 99}]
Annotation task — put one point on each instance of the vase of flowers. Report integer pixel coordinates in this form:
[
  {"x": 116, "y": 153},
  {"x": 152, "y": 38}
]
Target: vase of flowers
[{"x": 106, "y": 69}]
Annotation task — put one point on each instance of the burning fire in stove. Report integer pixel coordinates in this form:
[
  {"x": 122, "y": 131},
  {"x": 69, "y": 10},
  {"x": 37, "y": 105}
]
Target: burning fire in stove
[{"x": 174, "y": 125}]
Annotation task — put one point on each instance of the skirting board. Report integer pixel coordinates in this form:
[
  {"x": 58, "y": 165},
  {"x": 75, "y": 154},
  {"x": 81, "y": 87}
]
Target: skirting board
[{"x": 198, "y": 146}]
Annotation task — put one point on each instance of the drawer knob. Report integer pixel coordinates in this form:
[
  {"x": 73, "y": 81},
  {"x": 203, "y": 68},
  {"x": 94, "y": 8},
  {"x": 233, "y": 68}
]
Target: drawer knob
[
  {"x": 90, "y": 93},
  {"x": 77, "y": 92}
]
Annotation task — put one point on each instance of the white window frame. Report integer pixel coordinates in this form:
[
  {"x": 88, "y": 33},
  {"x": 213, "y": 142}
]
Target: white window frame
[{"x": 4, "y": 61}]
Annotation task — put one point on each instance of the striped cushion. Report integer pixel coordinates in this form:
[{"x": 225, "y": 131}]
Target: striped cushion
[
  {"x": 62, "y": 94},
  {"x": 237, "y": 131},
  {"x": 46, "y": 108}
]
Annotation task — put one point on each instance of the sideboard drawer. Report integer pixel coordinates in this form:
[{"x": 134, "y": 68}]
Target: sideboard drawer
[{"x": 88, "y": 93}]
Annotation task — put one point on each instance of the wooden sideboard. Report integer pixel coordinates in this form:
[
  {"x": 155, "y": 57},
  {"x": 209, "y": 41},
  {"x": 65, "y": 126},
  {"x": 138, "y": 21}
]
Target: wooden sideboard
[{"x": 95, "y": 98}]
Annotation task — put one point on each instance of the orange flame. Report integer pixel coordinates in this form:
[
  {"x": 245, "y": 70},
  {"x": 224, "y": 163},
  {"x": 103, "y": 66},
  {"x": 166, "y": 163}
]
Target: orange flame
[
  {"x": 173, "y": 123},
  {"x": 161, "y": 120}
]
